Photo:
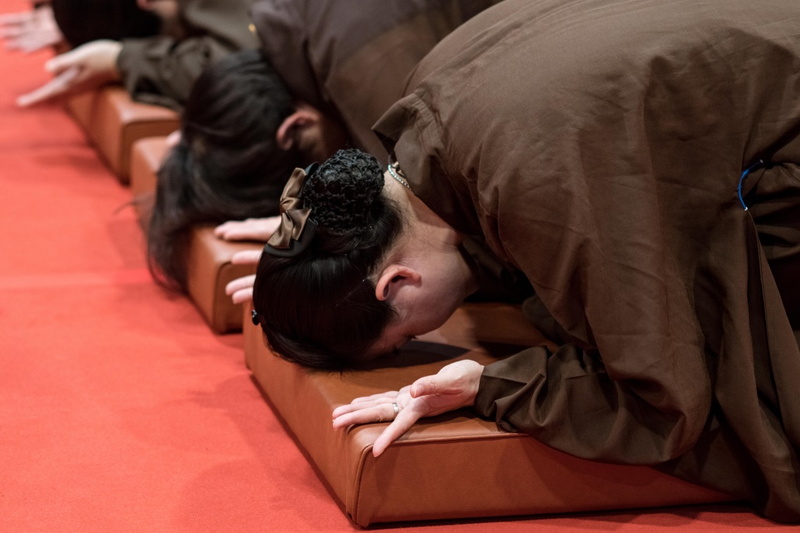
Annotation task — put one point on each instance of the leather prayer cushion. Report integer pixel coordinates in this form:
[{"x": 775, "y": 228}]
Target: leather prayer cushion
[
  {"x": 146, "y": 157},
  {"x": 113, "y": 122},
  {"x": 456, "y": 465},
  {"x": 210, "y": 269}
]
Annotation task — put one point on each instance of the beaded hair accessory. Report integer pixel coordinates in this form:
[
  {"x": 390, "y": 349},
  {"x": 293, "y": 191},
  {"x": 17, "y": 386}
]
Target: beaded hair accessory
[
  {"x": 397, "y": 174},
  {"x": 297, "y": 228}
]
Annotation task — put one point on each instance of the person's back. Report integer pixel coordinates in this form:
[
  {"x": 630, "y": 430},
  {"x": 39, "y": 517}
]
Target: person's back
[{"x": 349, "y": 58}]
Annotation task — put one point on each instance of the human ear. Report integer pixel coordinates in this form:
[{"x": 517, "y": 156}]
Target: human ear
[
  {"x": 292, "y": 127},
  {"x": 392, "y": 279}
]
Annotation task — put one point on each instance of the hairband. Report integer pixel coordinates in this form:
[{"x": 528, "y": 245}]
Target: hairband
[{"x": 297, "y": 229}]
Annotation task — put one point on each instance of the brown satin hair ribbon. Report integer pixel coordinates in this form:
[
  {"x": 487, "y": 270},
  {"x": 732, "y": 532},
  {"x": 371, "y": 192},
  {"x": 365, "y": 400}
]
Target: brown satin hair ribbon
[{"x": 296, "y": 229}]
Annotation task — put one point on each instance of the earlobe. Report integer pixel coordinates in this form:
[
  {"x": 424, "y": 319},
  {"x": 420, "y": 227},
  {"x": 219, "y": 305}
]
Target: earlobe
[{"x": 392, "y": 279}]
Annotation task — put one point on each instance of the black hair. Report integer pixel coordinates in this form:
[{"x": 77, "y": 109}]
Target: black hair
[
  {"x": 318, "y": 309},
  {"x": 82, "y": 21},
  {"x": 227, "y": 165}
]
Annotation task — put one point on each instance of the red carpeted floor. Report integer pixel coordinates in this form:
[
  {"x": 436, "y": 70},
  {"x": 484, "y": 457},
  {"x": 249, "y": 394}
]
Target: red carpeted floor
[{"x": 119, "y": 410}]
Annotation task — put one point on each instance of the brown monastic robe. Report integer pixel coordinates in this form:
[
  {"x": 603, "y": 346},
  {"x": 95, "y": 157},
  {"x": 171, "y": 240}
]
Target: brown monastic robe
[
  {"x": 162, "y": 69},
  {"x": 350, "y": 58},
  {"x": 597, "y": 145}
]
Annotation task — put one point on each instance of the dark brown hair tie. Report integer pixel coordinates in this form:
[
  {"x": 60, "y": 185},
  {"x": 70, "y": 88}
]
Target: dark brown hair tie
[{"x": 297, "y": 228}]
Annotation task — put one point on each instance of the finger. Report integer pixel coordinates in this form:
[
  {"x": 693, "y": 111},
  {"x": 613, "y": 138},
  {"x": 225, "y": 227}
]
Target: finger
[
  {"x": 33, "y": 46},
  {"x": 242, "y": 232},
  {"x": 360, "y": 416},
  {"x": 354, "y": 406},
  {"x": 11, "y": 32},
  {"x": 401, "y": 424},
  {"x": 174, "y": 138},
  {"x": 59, "y": 85},
  {"x": 381, "y": 396},
  {"x": 16, "y": 44},
  {"x": 342, "y": 410},
  {"x": 362, "y": 403},
  {"x": 220, "y": 230},
  {"x": 239, "y": 284},
  {"x": 380, "y": 412},
  {"x": 16, "y": 18},
  {"x": 242, "y": 296},
  {"x": 228, "y": 230},
  {"x": 234, "y": 234},
  {"x": 246, "y": 257}
]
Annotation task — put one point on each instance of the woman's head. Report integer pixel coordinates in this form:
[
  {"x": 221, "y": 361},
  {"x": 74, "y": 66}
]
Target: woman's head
[
  {"x": 318, "y": 307},
  {"x": 227, "y": 164},
  {"x": 82, "y": 21}
]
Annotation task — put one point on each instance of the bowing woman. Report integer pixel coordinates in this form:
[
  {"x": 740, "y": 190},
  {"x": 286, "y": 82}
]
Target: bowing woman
[
  {"x": 640, "y": 168},
  {"x": 326, "y": 71}
]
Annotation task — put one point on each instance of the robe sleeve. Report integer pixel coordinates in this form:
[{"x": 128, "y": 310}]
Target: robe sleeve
[
  {"x": 162, "y": 69},
  {"x": 568, "y": 400}
]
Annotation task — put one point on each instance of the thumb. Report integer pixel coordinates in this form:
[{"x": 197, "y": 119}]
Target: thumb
[{"x": 425, "y": 386}]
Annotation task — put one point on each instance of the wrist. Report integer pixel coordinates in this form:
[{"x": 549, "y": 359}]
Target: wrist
[
  {"x": 475, "y": 381},
  {"x": 115, "y": 49}
]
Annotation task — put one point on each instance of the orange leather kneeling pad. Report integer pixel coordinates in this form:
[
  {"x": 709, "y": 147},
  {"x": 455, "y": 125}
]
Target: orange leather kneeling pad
[
  {"x": 210, "y": 269},
  {"x": 453, "y": 466},
  {"x": 146, "y": 157},
  {"x": 113, "y": 122}
]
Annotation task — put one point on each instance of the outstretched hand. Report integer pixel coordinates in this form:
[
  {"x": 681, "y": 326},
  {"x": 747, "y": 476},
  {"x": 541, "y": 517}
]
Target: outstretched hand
[
  {"x": 241, "y": 289},
  {"x": 251, "y": 229},
  {"x": 86, "y": 67},
  {"x": 454, "y": 386},
  {"x": 29, "y": 31}
]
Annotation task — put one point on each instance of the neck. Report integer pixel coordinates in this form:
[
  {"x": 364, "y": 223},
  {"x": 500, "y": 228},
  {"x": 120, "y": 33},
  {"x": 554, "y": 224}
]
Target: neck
[{"x": 426, "y": 235}]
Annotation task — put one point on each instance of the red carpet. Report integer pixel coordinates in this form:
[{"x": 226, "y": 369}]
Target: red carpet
[{"x": 119, "y": 410}]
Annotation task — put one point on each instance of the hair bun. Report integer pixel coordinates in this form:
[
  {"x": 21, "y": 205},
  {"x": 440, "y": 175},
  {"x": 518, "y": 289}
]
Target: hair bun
[{"x": 342, "y": 192}]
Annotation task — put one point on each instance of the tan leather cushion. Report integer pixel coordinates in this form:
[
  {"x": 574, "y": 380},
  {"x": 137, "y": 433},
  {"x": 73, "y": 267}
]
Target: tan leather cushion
[
  {"x": 210, "y": 269},
  {"x": 146, "y": 157},
  {"x": 451, "y": 466},
  {"x": 113, "y": 122}
]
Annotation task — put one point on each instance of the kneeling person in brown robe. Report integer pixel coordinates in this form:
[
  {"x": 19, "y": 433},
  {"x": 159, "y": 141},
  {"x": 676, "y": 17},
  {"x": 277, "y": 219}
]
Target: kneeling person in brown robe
[{"x": 640, "y": 168}]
